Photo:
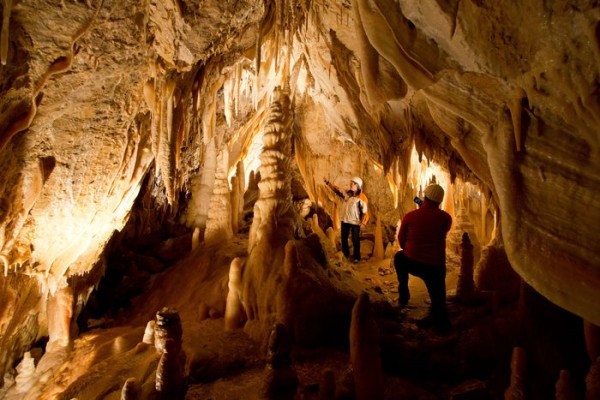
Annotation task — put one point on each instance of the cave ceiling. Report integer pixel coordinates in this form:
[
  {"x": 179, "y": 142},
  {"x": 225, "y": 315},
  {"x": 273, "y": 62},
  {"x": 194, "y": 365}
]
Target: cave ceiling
[{"x": 95, "y": 96}]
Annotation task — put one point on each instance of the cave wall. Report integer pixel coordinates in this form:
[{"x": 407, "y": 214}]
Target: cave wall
[{"x": 96, "y": 94}]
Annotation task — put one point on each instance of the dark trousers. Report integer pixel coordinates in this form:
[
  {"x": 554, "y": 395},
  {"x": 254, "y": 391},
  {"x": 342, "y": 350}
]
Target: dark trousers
[
  {"x": 355, "y": 230},
  {"x": 434, "y": 277}
]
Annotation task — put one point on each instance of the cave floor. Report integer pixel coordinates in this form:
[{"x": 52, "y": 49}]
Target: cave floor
[
  {"x": 310, "y": 364},
  {"x": 417, "y": 363}
]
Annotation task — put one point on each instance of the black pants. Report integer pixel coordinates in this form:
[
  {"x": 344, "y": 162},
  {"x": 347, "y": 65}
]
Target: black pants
[
  {"x": 434, "y": 277},
  {"x": 355, "y": 230}
]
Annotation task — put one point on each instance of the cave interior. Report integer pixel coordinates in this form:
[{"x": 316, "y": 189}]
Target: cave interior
[{"x": 166, "y": 232}]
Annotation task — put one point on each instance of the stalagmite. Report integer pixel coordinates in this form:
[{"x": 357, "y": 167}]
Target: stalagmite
[
  {"x": 169, "y": 372},
  {"x": 332, "y": 236},
  {"x": 241, "y": 180},
  {"x": 168, "y": 326},
  {"x": 218, "y": 223},
  {"x": 592, "y": 381},
  {"x": 518, "y": 367},
  {"x": 274, "y": 186},
  {"x": 202, "y": 188},
  {"x": 337, "y": 222},
  {"x": 281, "y": 379},
  {"x": 378, "y": 250},
  {"x": 149, "y": 332},
  {"x": 465, "y": 285},
  {"x": 60, "y": 312},
  {"x": 130, "y": 390},
  {"x": 592, "y": 339},
  {"x": 196, "y": 238},
  {"x": 25, "y": 374},
  {"x": 234, "y": 310},
  {"x": 565, "y": 387},
  {"x": 365, "y": 351},
  {"x": 327, "y": 385}
]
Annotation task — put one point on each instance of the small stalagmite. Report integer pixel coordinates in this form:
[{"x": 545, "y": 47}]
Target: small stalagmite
[
  {"x": 327, "y": 385},
  {"x": 131, "y": 390},
  {"x": 592, "y": 381},
  {"x": 169, "y": 372},
  {"x": 592, "y": 339},
  {"x": 518, "y": 365},
  {"x": 332, "y": 236},
  {"x": 465, "y": 285},
  {"x": 378, "y": 250},
  {"x": 60, "y": 312},
  {"x": 365, "y": 352},
  {"x": 25, "y": 378},
  {"x": 234, "y": 310},
  {"x": 168, "y": 326},
  {"x": 565, "y": 387},
  {"x": 281, "y": 379},
  {"x": 149, "y": 332}
]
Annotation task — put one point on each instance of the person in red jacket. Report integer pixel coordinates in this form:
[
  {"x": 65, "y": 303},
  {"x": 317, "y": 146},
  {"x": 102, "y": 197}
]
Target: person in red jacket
[{"x": 422, "y": 237}]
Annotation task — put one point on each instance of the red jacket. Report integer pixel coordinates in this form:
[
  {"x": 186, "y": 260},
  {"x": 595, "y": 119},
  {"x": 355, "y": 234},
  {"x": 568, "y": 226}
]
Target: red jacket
[{"x": 423, "y": 232}]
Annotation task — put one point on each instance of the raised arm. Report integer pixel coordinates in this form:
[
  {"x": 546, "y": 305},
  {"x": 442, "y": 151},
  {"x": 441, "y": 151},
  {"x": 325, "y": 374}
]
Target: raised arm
[{"x": 334, "y": 188}]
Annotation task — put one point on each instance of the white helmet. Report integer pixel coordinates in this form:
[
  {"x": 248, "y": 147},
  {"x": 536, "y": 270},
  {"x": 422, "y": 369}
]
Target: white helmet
[
  {"x": 358, "y": 182},
  {"x": 434, "y": 192}
]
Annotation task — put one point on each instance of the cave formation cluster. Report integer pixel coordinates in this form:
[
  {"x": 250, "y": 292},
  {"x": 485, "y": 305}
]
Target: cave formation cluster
[{"x": 163, "y": 165}]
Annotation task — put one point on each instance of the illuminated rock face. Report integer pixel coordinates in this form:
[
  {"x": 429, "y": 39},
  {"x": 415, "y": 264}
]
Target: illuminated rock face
[{"x": 95, "y": 96}]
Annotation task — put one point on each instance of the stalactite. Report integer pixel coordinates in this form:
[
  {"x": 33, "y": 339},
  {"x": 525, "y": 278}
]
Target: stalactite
[
  {"x": 235, "y": 204},
  {"x": 365, "y": 352},
  {"x": 228, "y": 100},
  {"x": 241, "y": 180},
  {"x": 59, "y": 65},
  {"x": 516, "y": 112},
  {"x": 234, "y": 310},
  {"x": 6, "y": 11},
  {"x": 383, "y": 38},
  {"x": 166, "y": 158},
  {"x": 181, "y": 134},
  {"x": 156, "y": 124}
]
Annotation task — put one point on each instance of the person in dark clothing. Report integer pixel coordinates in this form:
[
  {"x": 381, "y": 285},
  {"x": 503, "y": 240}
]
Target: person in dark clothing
[{"x": 422, "y": 238}]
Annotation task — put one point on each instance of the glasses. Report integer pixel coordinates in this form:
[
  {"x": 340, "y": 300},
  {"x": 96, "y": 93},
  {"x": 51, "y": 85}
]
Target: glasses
[{"x": 352, "y": 183}]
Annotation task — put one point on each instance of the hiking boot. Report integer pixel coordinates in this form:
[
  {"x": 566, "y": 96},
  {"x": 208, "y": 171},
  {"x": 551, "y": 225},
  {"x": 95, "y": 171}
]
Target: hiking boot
[{"x": 355, "y": 261}]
